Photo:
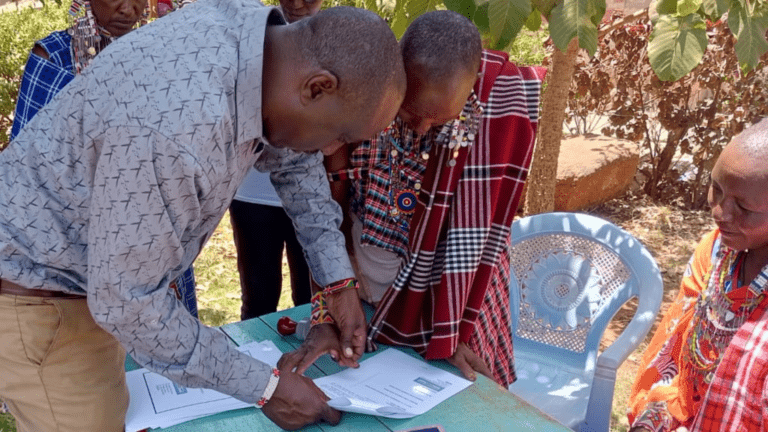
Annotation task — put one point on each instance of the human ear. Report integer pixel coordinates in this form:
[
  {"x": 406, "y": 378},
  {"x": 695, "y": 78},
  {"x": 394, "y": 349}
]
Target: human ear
[{"x": 322, "y": 83}]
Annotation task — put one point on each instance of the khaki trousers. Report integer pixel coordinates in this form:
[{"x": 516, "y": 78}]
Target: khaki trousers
[{"x": 59, "y": 371}]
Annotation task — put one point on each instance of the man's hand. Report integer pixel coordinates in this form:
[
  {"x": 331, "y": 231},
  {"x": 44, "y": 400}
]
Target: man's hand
[
  {"x": 321, "y": 339},
  {"x": 347, "y": 311},
  {"x": 297, "y": 402},
  {"x": 468, "y": 363}
]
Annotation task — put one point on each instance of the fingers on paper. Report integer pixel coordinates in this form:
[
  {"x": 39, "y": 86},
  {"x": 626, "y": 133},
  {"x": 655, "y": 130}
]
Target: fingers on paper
[
  {"x": 330, "y": 415},
  {"x": 466, "y": 369},
  {"x": 288, "y": 361},
  {"x": 353, "y": 339}
]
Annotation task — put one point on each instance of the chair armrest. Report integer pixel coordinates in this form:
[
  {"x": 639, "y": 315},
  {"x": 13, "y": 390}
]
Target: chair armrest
[{"x": 633, "y": 335}]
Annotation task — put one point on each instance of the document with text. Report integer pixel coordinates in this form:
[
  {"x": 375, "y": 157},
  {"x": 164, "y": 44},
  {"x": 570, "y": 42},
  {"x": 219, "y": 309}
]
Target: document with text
[
  {"x": 157, "y": 401},
  {"x": 391, "y": 384}
]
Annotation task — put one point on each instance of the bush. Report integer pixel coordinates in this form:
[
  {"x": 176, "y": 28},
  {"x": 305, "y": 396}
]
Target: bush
[
  {"x": 682, "y": 126},
  {"x": 528, "y": 48},
  {"x": 19, "y": 29}
]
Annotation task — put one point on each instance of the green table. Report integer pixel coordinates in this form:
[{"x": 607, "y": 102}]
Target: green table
[{"x": 483, "y": 406}]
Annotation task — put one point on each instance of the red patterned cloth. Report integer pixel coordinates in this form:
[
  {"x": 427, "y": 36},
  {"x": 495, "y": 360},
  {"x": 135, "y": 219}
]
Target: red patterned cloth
[
  {"x": 459, "y": 237},
  {"x": 738, "y": 396}
]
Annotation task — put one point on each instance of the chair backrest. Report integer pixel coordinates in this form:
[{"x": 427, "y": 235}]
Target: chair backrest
[{"x": 570, "y": 274}]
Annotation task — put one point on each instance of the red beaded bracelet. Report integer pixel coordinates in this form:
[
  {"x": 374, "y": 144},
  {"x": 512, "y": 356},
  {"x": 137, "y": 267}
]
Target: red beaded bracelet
[{"x": 340, "y": 286}]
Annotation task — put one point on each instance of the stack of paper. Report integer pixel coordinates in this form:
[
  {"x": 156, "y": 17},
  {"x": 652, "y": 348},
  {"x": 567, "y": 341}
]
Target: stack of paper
[
  {"x": 391, "y": 384},
  {"x": 157, "y": 401}
]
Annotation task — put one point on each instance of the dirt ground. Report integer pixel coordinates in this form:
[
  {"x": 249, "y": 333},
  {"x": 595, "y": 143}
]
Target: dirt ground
[{"x": 671, "y": 236}]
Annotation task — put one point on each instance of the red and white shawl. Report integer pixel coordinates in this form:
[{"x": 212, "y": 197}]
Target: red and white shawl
[
  {"x": 460, "y": 232},
  {"x": 738, "y": 396}
]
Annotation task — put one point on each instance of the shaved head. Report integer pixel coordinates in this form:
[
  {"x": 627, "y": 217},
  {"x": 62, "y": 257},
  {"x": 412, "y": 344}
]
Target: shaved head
[
  {"x": 440, "y": 45},
  {"x": 753, "y": 143}
]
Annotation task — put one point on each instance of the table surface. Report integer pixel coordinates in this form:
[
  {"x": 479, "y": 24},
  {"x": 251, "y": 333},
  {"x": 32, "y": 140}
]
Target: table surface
[{"x": 483, "y": 406}]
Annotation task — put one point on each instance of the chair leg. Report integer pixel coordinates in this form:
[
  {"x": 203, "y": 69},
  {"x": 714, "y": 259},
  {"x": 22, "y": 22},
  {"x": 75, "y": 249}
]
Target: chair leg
[{"x": 598, "y": 417}]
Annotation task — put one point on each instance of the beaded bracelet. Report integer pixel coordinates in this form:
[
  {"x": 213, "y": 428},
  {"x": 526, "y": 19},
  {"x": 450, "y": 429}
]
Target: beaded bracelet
[
  {"x": 269, "y": 390},
  {"x": 320, "y": 314},
  {"x": 340, "y": 286}
]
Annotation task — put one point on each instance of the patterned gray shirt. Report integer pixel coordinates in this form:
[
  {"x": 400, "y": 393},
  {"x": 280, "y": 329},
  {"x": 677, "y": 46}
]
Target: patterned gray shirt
[{"x": 114, "y": 187}]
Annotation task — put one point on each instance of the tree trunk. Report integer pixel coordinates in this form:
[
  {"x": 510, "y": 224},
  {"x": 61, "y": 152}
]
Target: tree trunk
[{"x": 540, "y": 191}]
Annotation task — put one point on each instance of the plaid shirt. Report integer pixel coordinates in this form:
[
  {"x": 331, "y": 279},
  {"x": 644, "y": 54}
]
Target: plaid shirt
[
  {"x": 738, "y": 396},
  {"x": 43, "y": 79},
  {"x": 372, "y": 193},
  {"x": 454, "y": 285}
]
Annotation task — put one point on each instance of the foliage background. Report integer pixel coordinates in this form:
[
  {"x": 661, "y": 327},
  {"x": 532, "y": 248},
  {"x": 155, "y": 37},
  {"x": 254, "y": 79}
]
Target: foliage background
[{"x": 19, "y": 29}]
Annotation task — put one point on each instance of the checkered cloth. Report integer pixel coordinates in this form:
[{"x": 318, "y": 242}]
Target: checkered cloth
[
  {"x": 459, "y": 241},
  {"x": 370, "y": 197},
  {"x": 738, "y": 396},
  {"x": 43, "y": 79}
]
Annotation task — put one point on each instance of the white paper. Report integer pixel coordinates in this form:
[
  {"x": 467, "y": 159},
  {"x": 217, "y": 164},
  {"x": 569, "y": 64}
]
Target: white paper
[
  {"x": 157, "y": 401},
  {"x": 391, "y": 384}
]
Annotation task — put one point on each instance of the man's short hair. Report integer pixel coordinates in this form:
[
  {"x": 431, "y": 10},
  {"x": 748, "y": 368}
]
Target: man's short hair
[
  {"x": 441, "y": 44},
  {"x": 359, "y": 48}
]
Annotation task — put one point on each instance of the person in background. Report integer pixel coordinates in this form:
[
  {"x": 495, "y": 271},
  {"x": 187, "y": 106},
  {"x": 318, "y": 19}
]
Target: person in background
[
  {"x": 113, "y": 188},
  {"x": 256, "y": 205},
  {"x": 706, "y": 367},
  {"x": 432, "y": 202},
  {"x": 56, "y": 59}
]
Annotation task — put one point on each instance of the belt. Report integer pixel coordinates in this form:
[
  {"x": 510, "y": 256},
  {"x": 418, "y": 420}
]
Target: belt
[{"x": 10, "y": 288}]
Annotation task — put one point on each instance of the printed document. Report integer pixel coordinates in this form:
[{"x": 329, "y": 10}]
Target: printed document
[
  {"x": 157, "y": 401},
  {"x": 391, "y": 384}
]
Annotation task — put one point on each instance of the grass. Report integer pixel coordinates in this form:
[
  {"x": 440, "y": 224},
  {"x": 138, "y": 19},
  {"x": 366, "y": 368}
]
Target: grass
[{"x": 218, "y": 283}]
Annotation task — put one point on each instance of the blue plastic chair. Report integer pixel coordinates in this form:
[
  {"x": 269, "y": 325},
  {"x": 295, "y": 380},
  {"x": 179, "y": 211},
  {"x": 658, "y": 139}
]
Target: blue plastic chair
[{"x": 570, "y": 275}]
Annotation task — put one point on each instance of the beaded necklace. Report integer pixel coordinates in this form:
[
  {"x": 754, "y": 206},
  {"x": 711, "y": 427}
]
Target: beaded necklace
[
  {"x": 462, "y": 131},
  {"x": 405, "y": 145},
  {"x": 717, "y": 318}
]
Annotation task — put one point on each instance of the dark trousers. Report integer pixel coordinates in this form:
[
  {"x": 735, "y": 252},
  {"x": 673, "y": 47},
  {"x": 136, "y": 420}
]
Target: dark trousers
[{"x": 260, "y": 231}]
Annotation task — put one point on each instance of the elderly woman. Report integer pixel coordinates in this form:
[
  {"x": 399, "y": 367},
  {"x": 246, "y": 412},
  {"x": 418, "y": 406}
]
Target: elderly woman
[
  {"x": 707, "y": 364},
  {"x": 56, "y": 59}
]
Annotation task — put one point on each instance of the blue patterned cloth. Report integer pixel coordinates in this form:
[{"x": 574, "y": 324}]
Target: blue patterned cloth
[{"x": 42, "y": 80}]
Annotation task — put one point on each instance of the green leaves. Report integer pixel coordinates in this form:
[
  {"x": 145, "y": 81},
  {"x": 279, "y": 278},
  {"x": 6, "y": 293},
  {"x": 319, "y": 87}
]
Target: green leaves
[
  {"x": 687, "y": 7},
  {"x": 506, "y": 18},
  {"x": 405, "y": 11},
  {"x": 679, "y": 37},
  {"x": 677, "y": 45},
  {"x": 576, "y": 18},
  {"x": 749, "y": 26},
  {"x": 715, "y": 8},
  {"x": 666, "y": 7}
]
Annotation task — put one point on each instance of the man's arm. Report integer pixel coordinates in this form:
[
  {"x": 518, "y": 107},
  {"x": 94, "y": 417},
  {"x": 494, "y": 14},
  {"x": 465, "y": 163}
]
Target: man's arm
[
  {"x": 143, "y": 200},
  {"x": 340, "y": 189},
  {"x": 301, "y": 182}
]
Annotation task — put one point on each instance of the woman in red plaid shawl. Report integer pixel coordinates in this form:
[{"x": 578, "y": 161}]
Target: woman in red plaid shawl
[
  {"x": 707, "y": 364},
  {"x": 433, "y": 199}
]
